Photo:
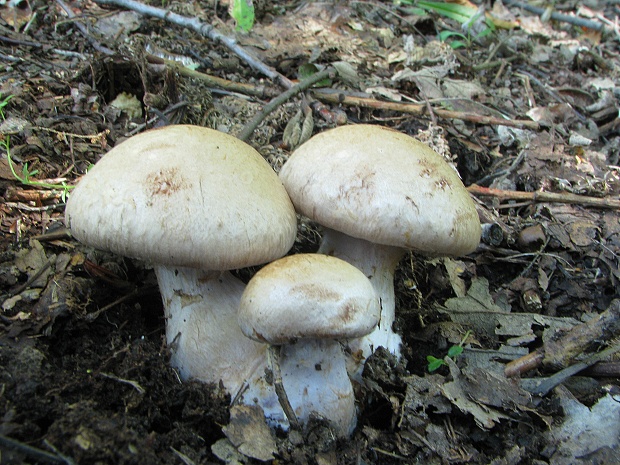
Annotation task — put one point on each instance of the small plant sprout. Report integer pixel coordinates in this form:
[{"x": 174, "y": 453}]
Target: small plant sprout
[
  {"x": 435, "y": 363},
  {"x": 3, "y": 103},
  {"x": 472, "y": 18},
  {"x": 26, "y": 177}
]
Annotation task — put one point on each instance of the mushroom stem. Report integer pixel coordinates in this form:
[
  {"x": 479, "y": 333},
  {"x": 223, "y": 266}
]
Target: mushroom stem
[
  {"x": 378, "y": 262},
  {"x": 201, "y": 326}
]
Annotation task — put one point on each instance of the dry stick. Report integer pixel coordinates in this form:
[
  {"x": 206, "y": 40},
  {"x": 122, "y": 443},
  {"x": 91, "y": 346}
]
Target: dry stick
[
  {"x": 30, "y": 280},
  {"x": 418, "y": 109},
  {"x": 558, "y": 378},
  {"x": 575, "y": 20},
  {"x": 214, "y": 81},
  {"x": 39, "y": 455},
  {"x": 545, "y": 197},
  {"x": 274, "y": 357},
  {"x": 133, "y": 294},
  {"x": 247, "y": 130},
  {"x": 562, "y": 351},
  {"x": 205, "y": 30},
  {"x": 96, "y": 44},
  {"x": 25, "y": 43}
]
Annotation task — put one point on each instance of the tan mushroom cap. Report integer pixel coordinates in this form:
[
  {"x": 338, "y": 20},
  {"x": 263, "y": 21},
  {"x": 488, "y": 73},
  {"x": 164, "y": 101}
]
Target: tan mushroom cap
[
  {"x": 184, "y": 196},
  {"x": 308, "y": 296},
  {"x": 385, "y": 187}
]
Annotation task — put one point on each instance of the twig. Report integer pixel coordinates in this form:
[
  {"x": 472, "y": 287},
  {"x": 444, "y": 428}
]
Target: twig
[
  {"x": 25, "y": 43},
  {"x": 545, "y": 197},
  {"x": 56, "y": 234},
  {"x": 388, "y": 453},
  {"x": 499, "y": 62},
  {"x": 246, "y": 132},
  {"x": 31, "y": 280},
  {"x": 205, "y": 30},
  {"x": 274, "y": 358},
  {"x": 95, "y": 43},
  {"x": 419, "y": 109},
  {"x": 502, "y": 173},
  {"x": 545, "y": 88},
  {"x": 214, "y": 81},
  {"x": 574, "y": 20},
  {"x": 133, "y": 294},
  {"x": 133, "y": 384},
  {"x": 32, "y": 452},
  {"x": 558, "y": 378},
  {"x": 603, "y": 370},
  {"x": 562, "y": 351}
]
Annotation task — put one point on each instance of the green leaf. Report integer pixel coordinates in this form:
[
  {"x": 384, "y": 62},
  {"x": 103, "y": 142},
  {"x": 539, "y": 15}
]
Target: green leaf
[
  {"x": 485, "y": 32},
  {"x": 455, "y": 351},
  {"x": 444, "y": 35},
  {"x": 434, "y": 363},
  {"x": 308, "y": 69},
  {"x": 460, "y": 13},
  {"x": 243, "y": 13},
  {"x": 455, "y": 44}
]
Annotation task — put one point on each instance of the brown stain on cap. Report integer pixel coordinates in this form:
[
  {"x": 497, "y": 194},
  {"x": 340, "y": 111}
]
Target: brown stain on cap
[{"x": 165, "y": 182}]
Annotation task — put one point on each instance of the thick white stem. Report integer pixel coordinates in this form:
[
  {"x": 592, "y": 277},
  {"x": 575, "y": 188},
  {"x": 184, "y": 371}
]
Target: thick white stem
[
  {"x": 378, "y": 263},
  {"x": 202, "y": 330},
  {"x": 314, "y": 376}
]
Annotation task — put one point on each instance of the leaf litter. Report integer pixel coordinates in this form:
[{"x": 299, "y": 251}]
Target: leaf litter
[{"x": 83, "y": 330}]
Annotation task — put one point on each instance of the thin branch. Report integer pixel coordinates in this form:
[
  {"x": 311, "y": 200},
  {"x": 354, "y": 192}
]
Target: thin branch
[
  {"x": 214, "y": 81},
  {"x": 551, "y": 197},
  {"x": 131, "y": 295},
  {"x": 96, "y": 44},
  {"x": 574, "y": 20},
  {"x": 133, "y": 384},
  {"x": 39, "y": 455},
  {"x": 570, "y": 345},
  {"x": 205, "y": 30},
  {"x": 274, "y": 358},
  {"x": 246, "y": 132},
  {"x": 419, "y": 109},
  {"x": 561, "y": 376},
  {"x": 32, "y": 279}
]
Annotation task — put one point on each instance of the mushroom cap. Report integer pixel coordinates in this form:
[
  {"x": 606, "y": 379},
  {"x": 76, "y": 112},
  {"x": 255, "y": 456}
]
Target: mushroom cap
[
  {"x": 382, "y": 186},
  {"x": 308, "y": 296},
  {"x": 184, "y": 196}
]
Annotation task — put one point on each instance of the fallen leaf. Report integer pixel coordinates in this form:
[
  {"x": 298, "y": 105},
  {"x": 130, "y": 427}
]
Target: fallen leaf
[{"x": 249, "y": 433}]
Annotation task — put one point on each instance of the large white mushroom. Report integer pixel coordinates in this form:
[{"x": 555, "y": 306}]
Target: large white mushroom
[
  {"x": 377, "y": 193},
  {"x": 306, "y": 304},
  {"x": 194, "y": 203}
]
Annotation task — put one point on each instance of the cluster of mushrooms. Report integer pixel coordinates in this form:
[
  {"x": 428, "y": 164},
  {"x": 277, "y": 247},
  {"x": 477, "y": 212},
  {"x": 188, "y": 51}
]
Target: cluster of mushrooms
[{"x": 196, "y": 203}]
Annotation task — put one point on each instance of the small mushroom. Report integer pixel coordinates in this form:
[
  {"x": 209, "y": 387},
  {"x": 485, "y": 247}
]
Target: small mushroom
[
  {"x": 377, "y": 193},
  {"x": 306, "y": 304},
  {"x": 194, "y": 203}
]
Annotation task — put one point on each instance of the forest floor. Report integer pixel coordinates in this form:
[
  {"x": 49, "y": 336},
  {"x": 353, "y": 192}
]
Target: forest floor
[{"x": 524, "y": 106}]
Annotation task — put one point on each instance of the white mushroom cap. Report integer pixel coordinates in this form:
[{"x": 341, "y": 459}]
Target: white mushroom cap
[
  {"x": 184, "y": 196},
  {"x": 382, "y": 186},
  {"x": 308, "y": 296}
]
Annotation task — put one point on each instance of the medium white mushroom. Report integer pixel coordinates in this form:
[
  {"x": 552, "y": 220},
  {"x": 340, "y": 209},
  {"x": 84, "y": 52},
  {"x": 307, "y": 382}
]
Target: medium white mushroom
[
  {"x": 194, "y": 203},
  {"x": 378, "y": 193},
  {"x": 306, "y": 304}
]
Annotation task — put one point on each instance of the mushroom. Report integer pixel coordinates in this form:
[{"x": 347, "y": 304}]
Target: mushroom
[
  {"x": 378, "y": 193},
  {"x": 306, "y": 304},
  {"x": 195, "y": 203}
]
